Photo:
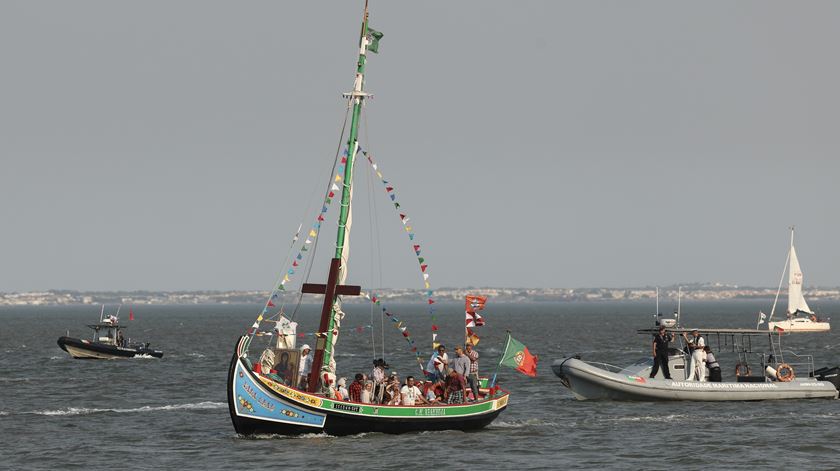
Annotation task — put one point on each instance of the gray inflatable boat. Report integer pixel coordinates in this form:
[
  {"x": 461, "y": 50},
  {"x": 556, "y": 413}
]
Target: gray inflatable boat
[{"x": 593, "y": 381}]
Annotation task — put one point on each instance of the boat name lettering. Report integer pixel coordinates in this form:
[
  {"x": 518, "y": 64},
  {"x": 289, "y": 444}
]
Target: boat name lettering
[
  {"x": 345, "y": 407},
  {"x": 430, "y": 411},
  {"x": 248, "y": 389},
  {"x": 707, "y": 385},
  {"x": 265, "y": 403}
]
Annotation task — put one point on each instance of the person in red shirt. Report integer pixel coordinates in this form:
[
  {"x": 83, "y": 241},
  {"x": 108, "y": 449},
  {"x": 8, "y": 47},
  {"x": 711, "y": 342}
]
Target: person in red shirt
[
  {"x": 355, "y": 389},
  {"x": 456, "y": 388}
]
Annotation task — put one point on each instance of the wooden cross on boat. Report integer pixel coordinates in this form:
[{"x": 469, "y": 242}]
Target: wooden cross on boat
[{"x": 330, "y": 291}]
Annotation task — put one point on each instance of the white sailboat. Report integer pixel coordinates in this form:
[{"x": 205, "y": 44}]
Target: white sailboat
[{"x": 800, "y": 317}]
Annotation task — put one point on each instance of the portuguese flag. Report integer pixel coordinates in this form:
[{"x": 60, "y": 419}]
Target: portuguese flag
[{"x": 519, "y": 358}]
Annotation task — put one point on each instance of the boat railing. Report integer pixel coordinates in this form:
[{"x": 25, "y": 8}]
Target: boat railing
[{"x": 798, "y": 361}]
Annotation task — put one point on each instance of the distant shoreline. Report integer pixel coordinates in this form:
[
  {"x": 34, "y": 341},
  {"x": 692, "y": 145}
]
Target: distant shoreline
[{"x": 691, "y": 292}]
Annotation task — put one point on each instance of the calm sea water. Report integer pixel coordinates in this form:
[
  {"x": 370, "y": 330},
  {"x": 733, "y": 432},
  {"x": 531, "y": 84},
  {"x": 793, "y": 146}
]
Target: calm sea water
[{"x": 59, "y": 413}]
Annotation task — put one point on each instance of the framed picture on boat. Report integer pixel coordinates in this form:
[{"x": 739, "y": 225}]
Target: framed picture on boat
[{"x": 282, "y": 363}]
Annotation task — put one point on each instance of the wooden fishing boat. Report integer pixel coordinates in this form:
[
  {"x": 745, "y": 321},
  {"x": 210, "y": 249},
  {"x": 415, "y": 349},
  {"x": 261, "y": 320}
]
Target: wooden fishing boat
[{"x": 267, "y": 392}]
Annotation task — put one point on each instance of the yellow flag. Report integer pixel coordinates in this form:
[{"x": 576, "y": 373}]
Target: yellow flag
[{"x": 312, "y": 233}]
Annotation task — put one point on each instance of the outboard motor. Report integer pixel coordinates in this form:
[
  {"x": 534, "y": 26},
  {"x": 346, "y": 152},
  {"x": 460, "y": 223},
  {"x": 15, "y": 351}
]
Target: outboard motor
[{"x": 830, "y": 374}]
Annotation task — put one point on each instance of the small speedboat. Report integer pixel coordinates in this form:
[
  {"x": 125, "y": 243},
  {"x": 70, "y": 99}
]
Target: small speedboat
[
  {"x": 774, "y": 378},
  {"x": 108, "y": 342}
]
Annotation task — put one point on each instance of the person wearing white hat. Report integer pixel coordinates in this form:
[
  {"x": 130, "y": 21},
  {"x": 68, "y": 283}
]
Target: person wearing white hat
[
  {"x": 305, "y": 365},
  {"x": 341, "y": 389}
]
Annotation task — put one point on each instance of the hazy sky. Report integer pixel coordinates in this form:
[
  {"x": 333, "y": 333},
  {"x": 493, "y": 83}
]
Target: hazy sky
[{"x": 178, "y": 145}]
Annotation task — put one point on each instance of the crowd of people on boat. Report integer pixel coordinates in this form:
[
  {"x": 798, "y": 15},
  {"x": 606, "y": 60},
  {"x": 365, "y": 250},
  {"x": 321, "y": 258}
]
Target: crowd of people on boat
[
  {"x": 701, "y": 356},
  {"x": 447, "y": 380}
]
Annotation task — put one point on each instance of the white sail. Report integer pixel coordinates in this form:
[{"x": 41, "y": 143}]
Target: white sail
[{"x": 796, "y": 301}]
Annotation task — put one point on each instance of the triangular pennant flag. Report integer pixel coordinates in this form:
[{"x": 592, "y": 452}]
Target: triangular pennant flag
[
  {"x": 435, "y": 345},
  {"x": 344, "y": 160},
  {"x": 291, "y": 271},
  {"x": 393, "y": 197},
  {"x": 295, "y": 263},
  {"x": 330, "y": 194},
  {"x": 285, "y": 277},
  {"x": 334, "y": 187},
  {"x": 320, "y": 217},
  {"x": 299, "y": 256},
  {"x": 324, "y": 209},
  {"x": 329, "y": 201},
  {"x": 304, "y": 249},
  {"x": 421, "y": 259},
  {"x": 338, "y": 178},
  {"x": 423, "y": 267},
  {"x": 434, "y": 329},
  {"x": 425, "y": 276},
  {"x": 373, "y": 165},
  {"x": 389, "y": 188},
  {"x": 271, "y": 304},
  {"x": 281, "y": 287},
  {"x": 402, "y": 216},
  {"x": 411, "y": 236},
  {"x": 312, "y": 233},
  {"x": 307, "y": 241},
  {"x": 416, "y": 248},
  {"x": 431, "y": 301},
  {"x": 397, "y": 205},
  {"x": 427, "y": 285}
]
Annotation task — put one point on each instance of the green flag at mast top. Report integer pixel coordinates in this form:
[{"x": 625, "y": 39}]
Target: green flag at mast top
[{"x": 368, "y": 41}]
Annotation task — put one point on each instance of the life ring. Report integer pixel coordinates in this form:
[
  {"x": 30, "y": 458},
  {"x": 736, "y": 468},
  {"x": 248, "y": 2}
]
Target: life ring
[
  {"x": 784, "y": 373},
  {"x": 742, "y": 369}
]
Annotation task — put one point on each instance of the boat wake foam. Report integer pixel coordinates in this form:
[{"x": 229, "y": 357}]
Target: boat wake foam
[
  {"x": 143, "y": 357},
  {"x": 87, "y": 411},
  {"x": 521, "y": 423}
]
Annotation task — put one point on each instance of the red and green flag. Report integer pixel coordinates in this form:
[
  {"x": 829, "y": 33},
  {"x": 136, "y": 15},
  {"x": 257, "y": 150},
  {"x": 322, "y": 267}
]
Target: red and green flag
[{"x": 519, "y": 358}]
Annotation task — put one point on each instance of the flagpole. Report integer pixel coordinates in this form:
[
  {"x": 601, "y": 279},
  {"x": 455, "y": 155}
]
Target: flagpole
[{"x": 501, "y": 359}]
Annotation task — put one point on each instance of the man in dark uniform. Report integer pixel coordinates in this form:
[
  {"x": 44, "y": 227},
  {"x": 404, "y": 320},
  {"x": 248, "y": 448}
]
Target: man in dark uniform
[{"x": 660, "y": 353}]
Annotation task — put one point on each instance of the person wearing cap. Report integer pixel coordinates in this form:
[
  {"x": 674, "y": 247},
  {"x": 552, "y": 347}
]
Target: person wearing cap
[
  {"x": 714, "y": 366},
  {"x": 305, "y": 365},
  {"x": 438, "y": 365},
  {"x": 461, "y": 364},
  {"x": 392, "y": 390},
  {"x": 698, "y": 364},
  {"x": 660, "y": 353}
]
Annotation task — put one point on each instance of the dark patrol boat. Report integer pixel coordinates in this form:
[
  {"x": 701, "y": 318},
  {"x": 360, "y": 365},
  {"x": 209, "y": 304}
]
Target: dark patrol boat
[{"x": 108, "y": 342}]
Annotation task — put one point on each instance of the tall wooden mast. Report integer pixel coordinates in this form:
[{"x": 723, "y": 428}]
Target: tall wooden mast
[{"x": 338, "y": 269}]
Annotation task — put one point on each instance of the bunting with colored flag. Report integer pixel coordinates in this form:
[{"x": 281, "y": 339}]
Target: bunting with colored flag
[
  {"x": 472, "y": 304},
  {"x": 518, "y": 357},
  {"x": 424, "y": 267},
  {"x": 471, "y": 337}
]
